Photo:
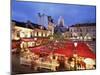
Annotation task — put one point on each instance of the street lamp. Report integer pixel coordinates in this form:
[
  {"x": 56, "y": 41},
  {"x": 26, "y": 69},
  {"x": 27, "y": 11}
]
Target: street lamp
[
  {"x": 75, "y": 55},
  {"x": 35, "y": 39},
  {"x": 75, "y": 44}
]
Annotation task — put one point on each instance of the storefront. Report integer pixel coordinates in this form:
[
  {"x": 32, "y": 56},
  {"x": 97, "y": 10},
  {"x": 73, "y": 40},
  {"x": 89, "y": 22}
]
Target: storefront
[{"x": 33, "y": 42}]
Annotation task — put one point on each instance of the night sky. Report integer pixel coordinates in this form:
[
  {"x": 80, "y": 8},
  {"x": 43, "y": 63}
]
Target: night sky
[{"x": 72, "y": 14}]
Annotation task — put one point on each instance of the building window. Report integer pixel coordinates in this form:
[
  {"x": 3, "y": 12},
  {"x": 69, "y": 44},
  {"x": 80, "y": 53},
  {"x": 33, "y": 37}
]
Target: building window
[
  {"x": 22, "y": 34},
  {"x": 28, "y": 34},
  {"x": 89, "y": 37},
  {"x": 47, "y": 34},
  {"x": 43, "y": 34},
  {"x": 35, "y": 34},
  {"x": 39, "y": 34}
]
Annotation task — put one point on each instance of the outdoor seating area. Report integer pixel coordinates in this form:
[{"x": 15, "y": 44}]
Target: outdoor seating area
[{"x": 72, "y": 56}]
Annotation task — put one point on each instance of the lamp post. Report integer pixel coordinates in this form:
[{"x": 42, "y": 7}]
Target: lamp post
[
  {"x": 75, "y": 55},
  {"x": 35, "y": 39}
]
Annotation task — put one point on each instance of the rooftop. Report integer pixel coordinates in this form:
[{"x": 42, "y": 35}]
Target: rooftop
[
  {"x": 84, "y": 25},
  {"x": 28, "y": 25}
]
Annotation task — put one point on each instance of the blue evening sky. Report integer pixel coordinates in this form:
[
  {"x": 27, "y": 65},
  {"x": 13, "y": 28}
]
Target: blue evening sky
[{"x": 72, "y": 14}]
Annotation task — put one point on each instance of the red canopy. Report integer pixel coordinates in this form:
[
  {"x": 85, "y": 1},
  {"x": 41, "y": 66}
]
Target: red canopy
[
  {"x": 34, "y": 50},
  {"x": 40, "y": 49},
  {"x": 27, "y": 39},
  {"x": 63, "y": 52},
  {"x": 84, "y": 51},
  {"x": 67, "y": 51}
]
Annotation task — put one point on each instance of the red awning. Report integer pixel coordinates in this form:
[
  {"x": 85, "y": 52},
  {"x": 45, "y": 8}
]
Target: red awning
[
  {"x": 40, "y": 49},
  {"x": 67, "y": 51},
  {"x": 84, "y": 51},
  {"x": 27, "y": 39},
  {"x": 35, "y": 50}
]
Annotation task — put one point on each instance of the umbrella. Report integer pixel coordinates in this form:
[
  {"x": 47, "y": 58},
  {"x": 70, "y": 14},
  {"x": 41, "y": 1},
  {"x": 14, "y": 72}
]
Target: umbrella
[{"x": 89, "y": 61}]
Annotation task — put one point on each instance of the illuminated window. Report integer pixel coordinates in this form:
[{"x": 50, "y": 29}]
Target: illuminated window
[
  {"x": 48, "y": 33},
  {"x": 28, "y": 34},
  {"x": 35, "y": 34},
  {"x": 39, "y": 34},
  {"x": 80, "y": 37},
  {"x": 89, "y": 37},
  {"x": 44, "y": 34},
  {"x": 22, "y": 34},
  {"x": 85, "y": 37}
]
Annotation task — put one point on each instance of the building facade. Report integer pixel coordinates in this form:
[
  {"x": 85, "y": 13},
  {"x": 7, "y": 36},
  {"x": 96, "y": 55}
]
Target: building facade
[
  {"x": 28, "y": 37},
  {"x": 83, "y": 31},
  {"x": 20, "y": 32},
  {"x": 40, "y": 33},
  {"x": 42, "y": 19}
]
